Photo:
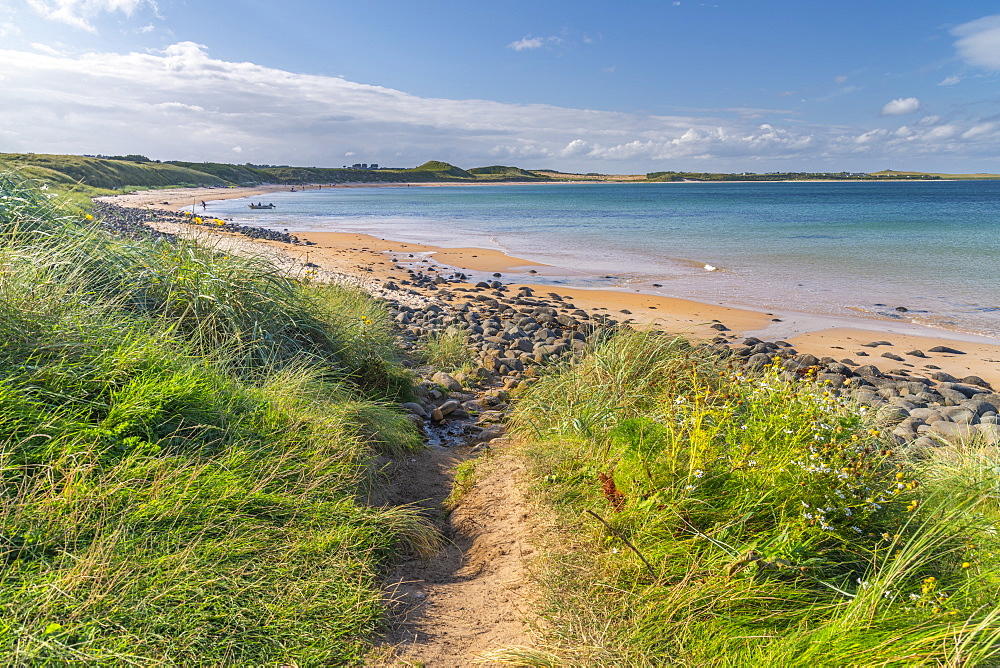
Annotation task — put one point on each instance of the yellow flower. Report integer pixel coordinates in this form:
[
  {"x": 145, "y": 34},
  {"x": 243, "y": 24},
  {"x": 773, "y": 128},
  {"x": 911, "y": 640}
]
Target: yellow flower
[{"x": 966, "y": 564}]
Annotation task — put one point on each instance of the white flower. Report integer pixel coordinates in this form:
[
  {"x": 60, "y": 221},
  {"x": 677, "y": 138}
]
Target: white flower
[{"x": 698, "y": 473}]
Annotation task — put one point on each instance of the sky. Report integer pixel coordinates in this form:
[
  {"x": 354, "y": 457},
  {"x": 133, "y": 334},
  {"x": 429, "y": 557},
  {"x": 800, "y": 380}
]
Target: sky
[{"x": 631, "y": 86}]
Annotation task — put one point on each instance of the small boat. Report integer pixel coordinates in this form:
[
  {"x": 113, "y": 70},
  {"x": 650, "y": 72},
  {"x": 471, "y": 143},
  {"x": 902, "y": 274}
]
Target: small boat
[{"x": 261, "y": 206}]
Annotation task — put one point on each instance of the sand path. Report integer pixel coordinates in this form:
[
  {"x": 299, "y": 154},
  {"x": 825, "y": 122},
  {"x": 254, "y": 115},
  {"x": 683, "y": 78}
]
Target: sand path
[{"x": 477, "y": 594}]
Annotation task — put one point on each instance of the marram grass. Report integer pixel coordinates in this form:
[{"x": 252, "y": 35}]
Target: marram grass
[
  {"x": 751, "y": 521},
  {"x": 185, "y": 438}
]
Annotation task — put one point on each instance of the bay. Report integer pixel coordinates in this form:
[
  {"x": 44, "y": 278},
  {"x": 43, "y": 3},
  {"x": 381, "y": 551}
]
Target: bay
[{"x": 841, "y": 248}]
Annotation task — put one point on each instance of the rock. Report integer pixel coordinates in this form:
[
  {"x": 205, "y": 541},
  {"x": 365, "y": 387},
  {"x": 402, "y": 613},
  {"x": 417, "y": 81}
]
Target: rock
[
  {"x": 447, "y": 381},
  {"x": 489, "y": 433},
  {"x": 979, "y": 407},
  {"x": 976, "y": 380},
  {"x": 892, "y": 414},
  {"x": 952, "y": 432},
  {"x": 967, "y": 390},
  {"x": 990, "y": 433},
  {"x": 835, "y": 380},
  {"x": 892, "y": 356},
  {"x": 414, "y": 408},
  {"x": 917, "y": 353},
  {"x": 807, "y": 360},
  {"x": 951, "y": 397},
  {"x": 759, "y": 361},
  {"x": 958, "y": 414},
  {"x": 945, "y": 349}
]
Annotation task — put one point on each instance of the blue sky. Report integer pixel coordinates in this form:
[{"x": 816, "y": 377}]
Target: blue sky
[{"x": 623, "y": 87}]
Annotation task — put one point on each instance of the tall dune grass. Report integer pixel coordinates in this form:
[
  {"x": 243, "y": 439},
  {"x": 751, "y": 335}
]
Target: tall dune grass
[
  {"x": 184, "y": 440},
  {"x": 752, "y": 521}
]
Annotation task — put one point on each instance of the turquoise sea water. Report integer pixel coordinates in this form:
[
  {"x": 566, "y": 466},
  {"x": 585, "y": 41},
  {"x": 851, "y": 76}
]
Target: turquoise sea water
[{"x": 830, "y": 248}]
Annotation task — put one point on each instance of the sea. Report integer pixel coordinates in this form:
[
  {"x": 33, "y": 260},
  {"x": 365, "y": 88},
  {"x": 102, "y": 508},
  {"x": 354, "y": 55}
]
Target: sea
[{"x": 926, "y": 252}]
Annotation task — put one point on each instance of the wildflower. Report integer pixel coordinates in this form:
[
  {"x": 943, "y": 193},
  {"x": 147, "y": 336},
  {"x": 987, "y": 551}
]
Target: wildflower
[
  {"x": 698, "y": 473},
  {"x": 966, "y": 564}
]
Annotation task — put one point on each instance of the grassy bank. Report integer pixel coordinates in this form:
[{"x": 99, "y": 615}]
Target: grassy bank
[
  {"x": 100, "y": 176},
  {"x": 187, "y": 446},
  {"x": 714, "y": 518}
]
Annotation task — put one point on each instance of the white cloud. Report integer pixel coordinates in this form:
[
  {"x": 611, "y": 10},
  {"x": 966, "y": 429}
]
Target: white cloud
[
  {"x": 527, "y": 43},
  {"x": 980, "y": 130},
  {"x": 841, "y": 80},
  {"x": 901, "y": 106},
  {"x": 183, "y": 104},
  {"x": 979, "y": 42},
  {"x": 8, "y": 28},
  {"x": 45, "y": 48},
  {"x": 950, "y": 81},
  {"x": 78, "y": 13},
  {"x": 929, "y": 120}
]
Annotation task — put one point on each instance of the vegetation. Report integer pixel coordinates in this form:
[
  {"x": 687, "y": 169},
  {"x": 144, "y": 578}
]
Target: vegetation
[
  {"x": 186, "y": 447},
  {"x": 100, "y": 175},
  {"x": 447, "y": 350},
  {"x": 109, "y": 174},
  {"x": 789, "y": 176},
  {"x": 715, "y": 518}
]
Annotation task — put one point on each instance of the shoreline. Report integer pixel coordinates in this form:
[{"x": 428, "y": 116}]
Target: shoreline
[{"x": 384, "y": 260}]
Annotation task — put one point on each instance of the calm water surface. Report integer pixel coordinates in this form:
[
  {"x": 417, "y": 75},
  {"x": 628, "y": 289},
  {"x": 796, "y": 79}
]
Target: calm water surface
[{"x": 832, "y": 248}]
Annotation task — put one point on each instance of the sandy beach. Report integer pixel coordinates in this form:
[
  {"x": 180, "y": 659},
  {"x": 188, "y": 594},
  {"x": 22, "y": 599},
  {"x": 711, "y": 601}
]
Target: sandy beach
[{"x": 384, "y": 260}]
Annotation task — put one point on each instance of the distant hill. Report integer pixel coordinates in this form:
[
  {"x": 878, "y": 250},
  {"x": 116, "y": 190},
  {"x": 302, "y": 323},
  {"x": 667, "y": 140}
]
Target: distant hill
[
  {"x": 104, "y": 173},
  {"x": 136, "y": 171},
  {"x": 505, "y": 172},
  {"x": 443, "y": 168}
]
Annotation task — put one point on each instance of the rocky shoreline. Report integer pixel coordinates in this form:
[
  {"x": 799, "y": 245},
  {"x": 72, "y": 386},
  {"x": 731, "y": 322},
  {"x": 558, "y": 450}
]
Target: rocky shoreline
[{"x": 511, "y": 332}]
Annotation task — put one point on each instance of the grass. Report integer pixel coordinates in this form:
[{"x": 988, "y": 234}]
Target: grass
[
  {"x": 447, "y": 350},
  {"x": 186, "y": 440},
  {"x": 711, "y": 517}
]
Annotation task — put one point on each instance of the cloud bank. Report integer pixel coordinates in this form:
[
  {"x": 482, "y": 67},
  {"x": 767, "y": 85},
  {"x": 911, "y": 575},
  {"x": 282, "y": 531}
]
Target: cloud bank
[{"x": 180, "y": 103}]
